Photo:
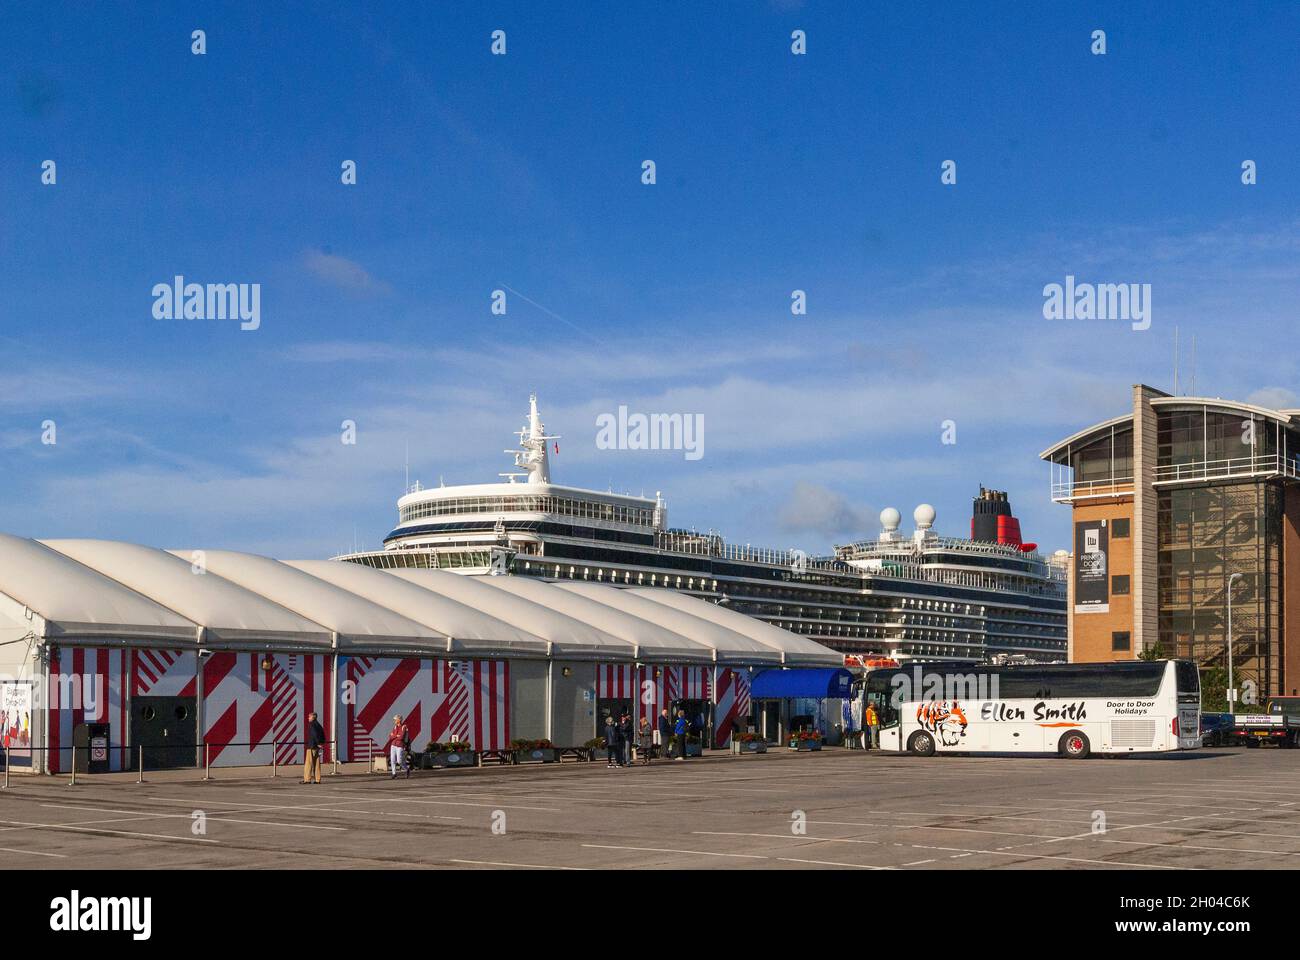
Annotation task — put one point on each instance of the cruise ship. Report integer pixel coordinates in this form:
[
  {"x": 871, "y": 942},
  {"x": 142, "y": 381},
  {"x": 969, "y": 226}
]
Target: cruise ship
[{"x": 904, "y": 596}]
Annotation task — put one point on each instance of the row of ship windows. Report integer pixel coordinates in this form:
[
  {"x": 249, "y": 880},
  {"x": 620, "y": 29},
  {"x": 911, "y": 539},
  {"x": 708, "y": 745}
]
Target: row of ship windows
[
  {"x": 561, "y": 506},
  {"x": 691, "y": 583}
]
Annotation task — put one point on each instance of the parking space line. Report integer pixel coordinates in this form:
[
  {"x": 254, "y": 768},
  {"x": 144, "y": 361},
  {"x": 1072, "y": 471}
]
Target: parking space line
[
  {"x": 505, "y": 863},
  {"x": 996, "y": 853},
  {"x": 33, "y": 853},
  {"x": 120, "y": 833},
  {"x": 698, "y": 853},
  {"x": 146, "y": 815},
  {"x": 833, "y": 863}
]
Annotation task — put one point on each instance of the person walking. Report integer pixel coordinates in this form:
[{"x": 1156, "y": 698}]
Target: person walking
[
  {"x": 611, "y": 741},
  {"x": 871, "y": 721},
  {"x": 664, "y": 733},
  {"x": 627, "y": 737},
  {"x": 680, "y": 729},
  {"x": 399, "y": 740},
  {"x": 311, "y": 758},
  {"x": 644, "y": 741}
]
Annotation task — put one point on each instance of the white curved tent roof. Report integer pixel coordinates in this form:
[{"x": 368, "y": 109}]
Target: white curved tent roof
[
  {"x": 76, "y": 602},
  {"x": 470, "y": 631},
  {"x": 103, "y": 591},
  {"x": 360, "y": 625},
  {"x": 568, "y": 637},
  {"x": 729, "y": 646},
  {"x": 228, "y": 614},
  {"x": 798, "y": 651},
  {"x": 651, "y": 641}
]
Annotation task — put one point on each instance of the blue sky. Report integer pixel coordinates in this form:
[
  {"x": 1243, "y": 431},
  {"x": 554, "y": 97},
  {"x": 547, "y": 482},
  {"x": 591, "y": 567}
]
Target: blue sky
[{"x": 775, "y": 172}]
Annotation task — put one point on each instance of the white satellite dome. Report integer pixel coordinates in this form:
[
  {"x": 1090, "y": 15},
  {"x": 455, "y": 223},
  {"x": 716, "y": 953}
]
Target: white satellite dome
[
  {"x": 890, "y": 519},
  {"x": 924, "y": 516}
]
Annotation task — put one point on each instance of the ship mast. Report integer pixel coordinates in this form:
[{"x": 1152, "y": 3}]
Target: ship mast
[{"x": 532, "y": 456}]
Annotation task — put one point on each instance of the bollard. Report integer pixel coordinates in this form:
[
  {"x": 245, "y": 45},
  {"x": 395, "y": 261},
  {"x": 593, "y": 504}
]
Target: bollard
[
  {"x": 273, "y": 773},
  {"x": 140, "y": 779},
  {"x": 73, "y": 782},
  {"x": 7, "y": 766},
  {"x": 334, "y": 756},
  {"x": 207, "y": 761}
]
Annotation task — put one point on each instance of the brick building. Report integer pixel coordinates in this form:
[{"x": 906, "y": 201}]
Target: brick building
[{"x": 1182, "y": 508}]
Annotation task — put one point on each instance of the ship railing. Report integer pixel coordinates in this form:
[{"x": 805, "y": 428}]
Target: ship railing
[{"x": 883, "y": 547}]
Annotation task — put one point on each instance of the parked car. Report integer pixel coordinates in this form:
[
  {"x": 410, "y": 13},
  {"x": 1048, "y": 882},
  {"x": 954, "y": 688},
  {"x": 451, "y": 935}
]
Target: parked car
[{"x": 1217, "y": 730}]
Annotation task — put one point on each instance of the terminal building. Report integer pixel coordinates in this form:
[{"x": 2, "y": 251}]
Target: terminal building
[
  {"x": 189, "y": 657},
  {"x": 1186, "y": 516}
]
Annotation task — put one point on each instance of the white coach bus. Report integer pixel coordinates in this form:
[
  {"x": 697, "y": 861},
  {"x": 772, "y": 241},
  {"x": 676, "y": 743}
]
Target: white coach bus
[{"x": 1070, "y": 709}]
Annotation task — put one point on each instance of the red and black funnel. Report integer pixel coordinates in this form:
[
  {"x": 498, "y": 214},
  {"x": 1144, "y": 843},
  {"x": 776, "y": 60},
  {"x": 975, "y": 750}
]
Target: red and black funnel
[{"x": 992, "y": 521}]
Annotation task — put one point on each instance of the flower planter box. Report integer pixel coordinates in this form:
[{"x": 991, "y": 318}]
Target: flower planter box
[
  {"x": 540, "y": 755},
  {"x": 463, "y": 758},
  {"x": 805, "y": 744},
  {"x": 748, "y": 746}
]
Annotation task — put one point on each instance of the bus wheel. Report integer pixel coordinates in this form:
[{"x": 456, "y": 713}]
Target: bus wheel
[
  {"x": 1074, "y": 745},
  {"x": 921, "y": 744}
]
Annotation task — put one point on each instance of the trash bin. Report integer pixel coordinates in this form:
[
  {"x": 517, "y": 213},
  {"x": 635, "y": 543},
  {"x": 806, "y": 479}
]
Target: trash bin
[{"x": 90, "y": 743}]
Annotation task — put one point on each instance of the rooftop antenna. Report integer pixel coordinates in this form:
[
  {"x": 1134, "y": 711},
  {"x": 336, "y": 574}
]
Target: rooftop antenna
[{"x": 1175, "y": 361}]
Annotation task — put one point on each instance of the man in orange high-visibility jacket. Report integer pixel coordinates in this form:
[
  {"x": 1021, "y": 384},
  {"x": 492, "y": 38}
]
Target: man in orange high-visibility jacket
[{"x": 871, "y": 722}]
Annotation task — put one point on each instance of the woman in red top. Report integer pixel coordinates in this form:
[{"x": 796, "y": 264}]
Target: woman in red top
[{"x": 399, "y": 739}]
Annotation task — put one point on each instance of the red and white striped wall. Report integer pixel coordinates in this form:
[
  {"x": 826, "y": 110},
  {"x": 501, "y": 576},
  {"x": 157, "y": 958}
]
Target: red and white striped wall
[
  {"x": 438, "y": 700},
  {"x": 249, "y": 712},
  {"x": 653, "y": 693},
  {"x": 731, "y": 705},
  {"x": 86, "y": 685}
]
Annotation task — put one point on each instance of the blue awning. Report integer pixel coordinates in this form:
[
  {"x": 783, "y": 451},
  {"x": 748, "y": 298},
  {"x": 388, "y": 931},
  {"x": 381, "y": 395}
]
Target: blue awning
[{"x": 782, "y": 684}]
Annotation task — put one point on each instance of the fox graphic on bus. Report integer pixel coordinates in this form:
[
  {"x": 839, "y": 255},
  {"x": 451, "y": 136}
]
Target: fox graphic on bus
[{"x": 944, "y": 718}]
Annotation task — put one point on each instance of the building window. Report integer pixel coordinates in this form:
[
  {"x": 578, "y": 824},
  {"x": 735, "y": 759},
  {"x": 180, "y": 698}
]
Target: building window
[
  {"x": 1119, "y": 528},
  {"x": 1119, "y": 641},
  {"x": 1119, "y": 586}
]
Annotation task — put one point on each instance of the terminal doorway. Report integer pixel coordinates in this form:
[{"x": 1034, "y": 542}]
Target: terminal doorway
[
  {"x": 167, "y": 729},
  {"x": 613, "y": 707}
]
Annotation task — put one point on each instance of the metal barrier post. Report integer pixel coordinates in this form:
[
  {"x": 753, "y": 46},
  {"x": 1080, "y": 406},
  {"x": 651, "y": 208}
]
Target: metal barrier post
[
  {"x": 7, "y": 766},
  {"x": 334, "y": 753},
  {"x": 73, "y": 782},
  {"x": 273, "y": 772},
  {"x": 140, "y": 779},
  {"x": 207, "y": 761}
]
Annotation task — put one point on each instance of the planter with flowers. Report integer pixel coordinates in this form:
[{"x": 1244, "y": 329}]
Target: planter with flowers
[
  {"x": 806, "y": 740},
  {"x": 454, "y": 753},
  {"x": 535, "y": 751},
  {"x": 748, "y": 743},
  {"x": 595, "y": 747}
]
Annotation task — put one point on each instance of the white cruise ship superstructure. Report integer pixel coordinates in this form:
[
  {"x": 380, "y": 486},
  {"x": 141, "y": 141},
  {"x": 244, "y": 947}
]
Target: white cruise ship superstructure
[{"x": 904, "y": 596}]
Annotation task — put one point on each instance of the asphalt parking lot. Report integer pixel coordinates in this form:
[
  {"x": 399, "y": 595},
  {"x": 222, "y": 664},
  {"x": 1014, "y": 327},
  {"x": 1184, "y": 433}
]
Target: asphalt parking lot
[{"x": 837, "y": 809}]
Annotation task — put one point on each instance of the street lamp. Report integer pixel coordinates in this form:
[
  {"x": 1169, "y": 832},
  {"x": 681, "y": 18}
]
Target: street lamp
[{"x": 1232, "y": 694}]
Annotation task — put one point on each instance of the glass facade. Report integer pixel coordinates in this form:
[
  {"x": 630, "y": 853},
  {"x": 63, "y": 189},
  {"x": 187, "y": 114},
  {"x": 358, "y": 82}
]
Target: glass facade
[
  {"x": 1198, "y": 435},
  {"x": 1109, "y": 457},
  {"x": 1206, "y": 534}
]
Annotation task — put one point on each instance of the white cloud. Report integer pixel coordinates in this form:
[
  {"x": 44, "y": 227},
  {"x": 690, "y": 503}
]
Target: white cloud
[
  {"x": 343, "y": 273},
  {"x": 1274, "y": 398}
]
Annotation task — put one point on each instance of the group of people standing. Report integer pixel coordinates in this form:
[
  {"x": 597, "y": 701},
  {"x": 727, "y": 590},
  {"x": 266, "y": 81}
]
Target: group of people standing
[{"x": 626, "y": 742}]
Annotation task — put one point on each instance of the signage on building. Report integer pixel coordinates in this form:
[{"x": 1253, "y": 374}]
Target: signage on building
[
  {"x": 1091, "y": 567},
  {"x": 16, "y": 722}
]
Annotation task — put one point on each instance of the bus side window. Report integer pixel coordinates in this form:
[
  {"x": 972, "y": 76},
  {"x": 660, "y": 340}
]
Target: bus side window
[{"x": 884, "y": 709}]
